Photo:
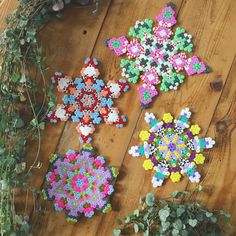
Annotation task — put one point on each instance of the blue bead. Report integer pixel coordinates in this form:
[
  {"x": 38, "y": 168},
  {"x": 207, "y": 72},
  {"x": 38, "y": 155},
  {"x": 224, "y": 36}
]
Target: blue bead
[
  {"x": 123, "y": 118},
  {"x": 95, "y": 61},
  {"x": 86, "y": 60},
  {"x": 70, "y": 151},
  {"x": 109, "y": 102},
  {"x": 79, "y": 82}
]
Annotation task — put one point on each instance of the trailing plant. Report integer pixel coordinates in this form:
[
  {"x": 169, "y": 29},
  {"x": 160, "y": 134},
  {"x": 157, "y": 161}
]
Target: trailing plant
[
  {"x": 176, "y": 216},
  {"x": 21, "y": 114}
]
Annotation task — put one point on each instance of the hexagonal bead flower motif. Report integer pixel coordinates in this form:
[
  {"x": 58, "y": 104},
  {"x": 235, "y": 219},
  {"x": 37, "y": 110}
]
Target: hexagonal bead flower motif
[
  {"x": 156, "y": 55},
  {"x": 172, "y": 148},
  {"x": 79, "y": 183},
  {"x": 88, "y": 100}
]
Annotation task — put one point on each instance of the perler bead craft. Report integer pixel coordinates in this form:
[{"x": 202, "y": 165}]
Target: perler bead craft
[
  {"x": 88, "y": 101},
  {"x": 172, "y": 147},
  {"x": 156, "y": 55},
  {"x": 79, "y": 183}
]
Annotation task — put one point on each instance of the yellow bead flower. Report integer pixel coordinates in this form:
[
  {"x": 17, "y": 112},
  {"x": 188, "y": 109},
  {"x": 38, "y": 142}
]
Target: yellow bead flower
[
  {"x": 175, "y": 176},
  {"x": 148, "y": 165},
  {"x": 144, "y": 135},
  {"x": 168, "y": 118},
  {"x": 195, "y": 129},
  {"x": 199, "y": 159}
]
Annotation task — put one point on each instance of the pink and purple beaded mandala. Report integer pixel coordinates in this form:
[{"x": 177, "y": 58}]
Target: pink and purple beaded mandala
[
  {"x": 155, "y": 56},
  {"x": 88, "y": 101},
  {"x": 172, "y": 147},
  {"x": 79, "y": 183}
]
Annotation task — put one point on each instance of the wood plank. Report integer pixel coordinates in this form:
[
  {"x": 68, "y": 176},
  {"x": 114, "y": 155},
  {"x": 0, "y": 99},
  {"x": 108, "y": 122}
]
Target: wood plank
[
  {"x": 220, "y": 171},
  {"x": 109, "y": 141},
  {"x": 211, "y": 25},
  {"x": 61, "y": 44},
  {"x": 6, "y": 6},
  {"x": 78, "y": 40}
]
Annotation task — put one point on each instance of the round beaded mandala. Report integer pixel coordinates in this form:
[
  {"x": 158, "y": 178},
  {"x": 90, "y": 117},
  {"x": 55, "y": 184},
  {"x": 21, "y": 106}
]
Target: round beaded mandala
[
  {"x": 172, "y": 147},
  {"x": 156, "y": 55},
  {"x": 88, "y": 100},
  {"x": 79, "y": 183}
]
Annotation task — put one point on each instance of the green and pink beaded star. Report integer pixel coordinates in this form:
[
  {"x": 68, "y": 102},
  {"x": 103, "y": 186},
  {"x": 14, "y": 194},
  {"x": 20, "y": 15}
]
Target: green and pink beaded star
[{"x": 156, "y": 55}]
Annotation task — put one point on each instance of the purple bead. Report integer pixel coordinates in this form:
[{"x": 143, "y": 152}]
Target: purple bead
[
  {"x": 172, "y": 147},
  {"x": 151, "y": 138},
  {"x": 192, "y": 156},
  {"x": 169, "y": 125},
  {"x": 174, "y": 169},
  {"x": 189, "y": 133},
  {"x": 154, "y": 160}
]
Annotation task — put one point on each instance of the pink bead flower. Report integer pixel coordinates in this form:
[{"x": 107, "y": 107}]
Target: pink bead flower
[
  {"x": 167, "y": 17},
  {"x": 118, "y": 45}
]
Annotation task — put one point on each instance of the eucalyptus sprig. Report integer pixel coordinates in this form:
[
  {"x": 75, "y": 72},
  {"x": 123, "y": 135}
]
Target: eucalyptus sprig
[{"x": 175, "y": 216}]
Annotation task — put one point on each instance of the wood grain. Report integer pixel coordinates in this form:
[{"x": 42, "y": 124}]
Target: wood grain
[
  {"x": 196, "y": 93},
  {"x": 211, "y": 97},
  {"x": 6, "y": 6},
  {"x": 220, "y": 171}
]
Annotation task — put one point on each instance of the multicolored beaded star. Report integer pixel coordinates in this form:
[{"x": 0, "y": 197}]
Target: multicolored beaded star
[
  {"x": 155, "y": 56},
  {"x": 89, "y": 100},
  {"x": 172, "y": 147},
  {"x": 80, "y": 183}
]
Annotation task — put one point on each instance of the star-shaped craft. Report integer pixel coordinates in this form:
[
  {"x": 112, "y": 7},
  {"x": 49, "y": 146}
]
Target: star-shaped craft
[
  {"x": 156, "y": 55},
  {"x": 172, "y": 147},
  {"x": 88, "y": 100},
  {"x": 79, "y": 183}
]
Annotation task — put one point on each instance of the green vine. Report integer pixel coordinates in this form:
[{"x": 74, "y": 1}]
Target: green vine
[
  {"x": 175, "y": 216},
  {"x": 21, "y": 115}
]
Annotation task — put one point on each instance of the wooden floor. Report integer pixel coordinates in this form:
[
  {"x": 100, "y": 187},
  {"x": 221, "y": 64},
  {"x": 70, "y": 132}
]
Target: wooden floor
[{"x": 211, "y": 97}]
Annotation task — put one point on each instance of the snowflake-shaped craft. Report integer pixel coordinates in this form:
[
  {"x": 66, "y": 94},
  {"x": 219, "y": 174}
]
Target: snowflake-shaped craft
[
  {"x": 88, "y": 100},
  {"x": 79, "y": 183},
  {"x": 172, "y": 147},
  {"x": 156, "y": 55}
]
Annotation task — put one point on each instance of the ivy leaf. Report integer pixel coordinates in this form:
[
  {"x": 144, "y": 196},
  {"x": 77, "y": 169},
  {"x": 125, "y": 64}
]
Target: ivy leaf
[
  {"x": 165, "y": 225},
  {"x": 180, "y": 211},
  {"x": 192, "y": 222},
  {"x": 146, "y": 233},
  {"x": 127, "y": 219},
  {"x": 19, "y": 123},
  {"x": 175, "y": 232},
  {"x": 16, "y": 77},
  {"x": 116, "y": 232},
  {"x": 22, "y": 98},
  {"x": 184, "y": 232},
  {"x": 136, "y": 212},
  {"x": 42, "y": 125},
  {"x": 164, "y": 202},
  {"x": 150, "y": 199},
  {"x": 164, "y": 213},
  {"x": 23, "y": 79},
  {"x": 25, "y": 228},
  {"x": 213, "y": 219},
  {"x": 2, "y": 150},
  {"x": 178, "y": 224},
  {"x": 18, "y": 219},
  {"x": 136, "y": 228},
  {"x": 175, "y": 194},
  {"x": 209, "y": 214},
  {"x": 119, "y": 221}
]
